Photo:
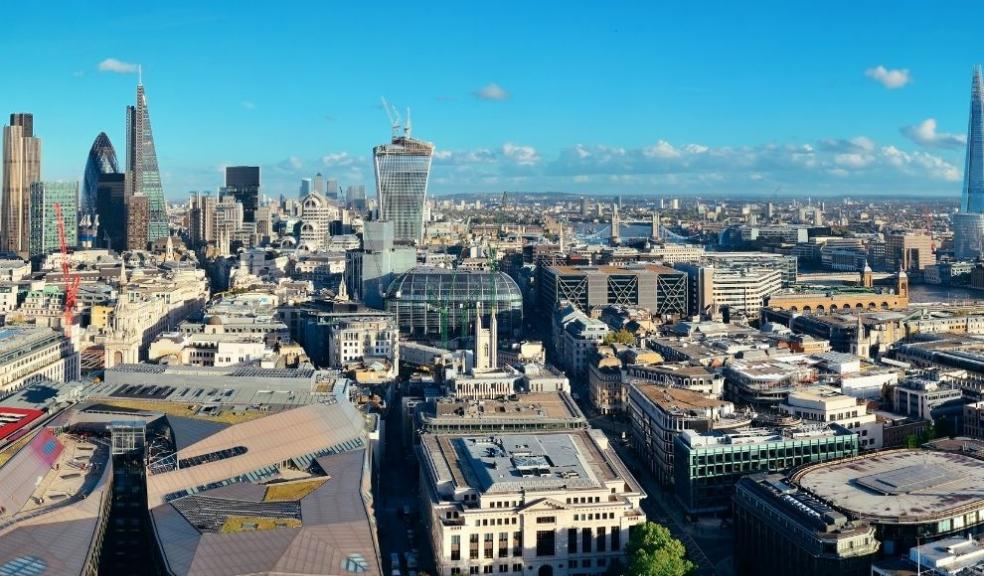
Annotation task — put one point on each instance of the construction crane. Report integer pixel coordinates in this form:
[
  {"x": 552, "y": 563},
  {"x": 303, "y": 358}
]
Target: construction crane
[{"x": 71, "y": 280}]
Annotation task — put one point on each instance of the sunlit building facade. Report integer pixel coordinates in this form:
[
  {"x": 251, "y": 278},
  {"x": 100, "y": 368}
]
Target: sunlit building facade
[
  {"x": 102, "y": 160},
  {"x": 968, "y": 225},
  {"x": 44, "y": 220}
]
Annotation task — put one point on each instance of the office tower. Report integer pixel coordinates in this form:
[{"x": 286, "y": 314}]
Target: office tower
[
  {"x": 44, "y": 221},
  {"x": 111, "y": 206},
  {"x": 102, "y": 160},
  {"x": 144, "y": 176},
  {"x": 402, "y": 169},
  {"x": 972, "y": 199},
  {"x": 355, "y": 198},
  {"x": 968, "y": 224},
  {"x": 243, "y": 183},
  {"x": 319, "y": 183},
  {"x": 202, "y": 220},
  {"x": 21, "y": 168},
  {"x": 306, "y": 187},
  {"x": 909, "y": 251},
  {"x": 331, "y": 189},
  {"x": 137, "y": 222}
]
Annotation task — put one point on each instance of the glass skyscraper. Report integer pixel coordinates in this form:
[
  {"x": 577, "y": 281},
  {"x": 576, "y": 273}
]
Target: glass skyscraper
[
  {"x": 44, "y": 221},
  {"x": 102, "y": 160},
  {"x": 972, "y": 199},
  {"x": 402, "y": 169},
  {"x": 968, "y": 225},
  {"x": 141, "y": 166}
]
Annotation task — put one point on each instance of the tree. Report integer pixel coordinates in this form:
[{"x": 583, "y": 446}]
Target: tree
[
  {"x": 622, "y": 336},
  {"x": 653, "y": 551}
]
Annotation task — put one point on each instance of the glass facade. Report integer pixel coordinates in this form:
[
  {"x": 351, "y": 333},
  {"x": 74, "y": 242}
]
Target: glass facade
[
  {"x": 141, "y": 164},
  {"x": 968, "y": 235},
  {"x": 102, "y": 160},
  {"x": 424, "y": 298},
  {"x": 402, "y": 169},
  {"x": 972, "y": 199},
  {"x": 44, "y": 223}
]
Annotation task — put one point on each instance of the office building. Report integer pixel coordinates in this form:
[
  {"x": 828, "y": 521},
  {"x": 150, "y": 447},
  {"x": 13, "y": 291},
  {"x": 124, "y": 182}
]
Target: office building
[
  {"x": 972, "y": 196},
  {"x": 659, "y": 289},
  {"x": 909, "y": 496},
  {"x": 201, "y": 220},
  {"x": 317, "y": 215},
  {"x": 44, "y": 221},
  {"x": 370, "y": 271},
  {"x": 306, "y": 187},
  {"x": 659, "y": 413},
  {"x": 101, "y": 160},
  {"x": 826, "y": 404},
  {"x": 143, "y": 173},
  {"x": 29, "y": 354},
  {"x": 111, "y": 207},
  {"x": 138, "y": 223},
  {"x": 540, "y": 504},
  {"x": 737, "y": 291},
  {"x": 339, "y": 334},
  {"x": 907, "y": 251},
  {"x": 707, "y": 465},
  {"x": 318, "y": 184},
  {"x": 21, "y": 168},
  {"x": 402, "y": 170},
  {"x": 243, "y": 184},
  {"x": 780, "y": 529}
]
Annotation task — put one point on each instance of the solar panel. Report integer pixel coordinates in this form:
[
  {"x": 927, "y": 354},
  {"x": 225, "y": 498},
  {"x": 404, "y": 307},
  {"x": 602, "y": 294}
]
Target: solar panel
[{"x": 908, "y": 479}]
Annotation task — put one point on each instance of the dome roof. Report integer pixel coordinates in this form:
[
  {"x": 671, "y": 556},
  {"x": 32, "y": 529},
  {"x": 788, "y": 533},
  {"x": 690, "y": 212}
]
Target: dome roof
[
  {"x": 425, "y": 283},
  {"x": 214, "y": 321}
]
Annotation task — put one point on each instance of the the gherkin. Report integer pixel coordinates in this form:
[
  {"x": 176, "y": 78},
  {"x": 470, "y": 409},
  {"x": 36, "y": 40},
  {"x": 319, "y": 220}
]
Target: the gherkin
[{"x": 102, "y": 160}]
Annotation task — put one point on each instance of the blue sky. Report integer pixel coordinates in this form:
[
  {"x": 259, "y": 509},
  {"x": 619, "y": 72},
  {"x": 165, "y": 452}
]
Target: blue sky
[{"x": 586, "y": 97}]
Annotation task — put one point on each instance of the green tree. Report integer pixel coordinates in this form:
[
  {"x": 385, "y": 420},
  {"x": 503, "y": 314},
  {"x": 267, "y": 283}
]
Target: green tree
[
  {"x": 653, "y": 551},
  {"x": 622, "y": 336}
]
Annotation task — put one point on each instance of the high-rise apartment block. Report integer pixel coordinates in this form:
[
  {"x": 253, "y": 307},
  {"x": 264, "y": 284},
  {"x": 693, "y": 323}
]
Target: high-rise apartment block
[
  {"x": 21, "y": 168},
  {"x": 44, "y": 220}
]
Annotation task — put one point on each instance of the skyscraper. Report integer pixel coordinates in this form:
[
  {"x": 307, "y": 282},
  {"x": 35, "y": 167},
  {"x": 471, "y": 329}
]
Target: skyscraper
[
  {"x": 402, "y": 169},
  {"x": 306, "y": 187},
  {"x": 319, "y": 183},
  {"x": 144, "y": 176},
  {"x": 21, "y": 168},
  {"x": 968, "y": 224},
  {"x": 102, "y": 160},
  {"x": 111, "y": 207},
  {"x": 44, "y": 221},
  {"x": 243, "y": 183}
]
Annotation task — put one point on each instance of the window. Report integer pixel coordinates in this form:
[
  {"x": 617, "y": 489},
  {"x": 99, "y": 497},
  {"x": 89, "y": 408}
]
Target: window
[
  {"x": 503, "y": 544},
  {"x": 586, "y": 540},
  {"x": 546, "y": 520},
  {"x": 572, "y": 540},
  {"x": 545, "y": 543},
  {"x": 600, "y": 538},
  {"x": 616, "y": 538}
]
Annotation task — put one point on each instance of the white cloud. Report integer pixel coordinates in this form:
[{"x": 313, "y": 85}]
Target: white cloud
[
  {"x": 925, "y": 134},
  {"x": 338, "y": 159},
  {"x": 521, "y": 155},
  {"x": 661, "y": 149},
  {"x": 853, "y": 160},
  {"x": 118, "y": 66},
  {"x": 491, "y": 91},
  {"x": 889, "y": 78}
]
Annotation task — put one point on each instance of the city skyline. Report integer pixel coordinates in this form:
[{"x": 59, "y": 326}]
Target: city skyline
[{"x": 532, "y": 112}]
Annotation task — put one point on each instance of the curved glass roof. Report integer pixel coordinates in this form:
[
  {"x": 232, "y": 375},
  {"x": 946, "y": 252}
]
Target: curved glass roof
[{"x": 425, "y": 283}]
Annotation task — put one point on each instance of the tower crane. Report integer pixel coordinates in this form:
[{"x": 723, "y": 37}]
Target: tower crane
[
  {"x": 394, "y": 116},
  {"x": 71, "y": 280}
]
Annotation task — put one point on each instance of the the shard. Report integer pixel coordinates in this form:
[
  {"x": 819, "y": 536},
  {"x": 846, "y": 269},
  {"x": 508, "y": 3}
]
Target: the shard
[
  {"x": 143, "y": 174},
  {"x": 968, "y": 224},
  {"x": 102, "y": 160}
]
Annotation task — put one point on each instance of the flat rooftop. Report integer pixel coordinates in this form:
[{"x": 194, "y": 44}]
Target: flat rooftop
[
  {"x": 900, "y": 486},
  {"x": 535, "y": 406},
  {"x": 628, "y": 270},
  {"x": 677, "y": 399}
]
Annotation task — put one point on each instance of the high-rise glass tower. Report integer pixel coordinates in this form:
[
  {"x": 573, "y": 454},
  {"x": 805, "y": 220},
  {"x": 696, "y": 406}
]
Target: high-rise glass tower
[
  {"x": 21, "y": 168},
  {"x": 243, "y": 183},
  {"x": 972, "y": 199},
  {"x": 44, "y": 221},
  {"x": 968, "y": 225},
  {"x": 402, "y": 169},
  {"x": 144, "y": 176},
  {"x": 102, "y": 160}
]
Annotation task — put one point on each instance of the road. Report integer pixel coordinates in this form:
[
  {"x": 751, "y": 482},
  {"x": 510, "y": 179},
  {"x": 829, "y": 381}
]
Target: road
[
  {"x": 398, "y": 488},
  {"x": 708, "y": 545}
]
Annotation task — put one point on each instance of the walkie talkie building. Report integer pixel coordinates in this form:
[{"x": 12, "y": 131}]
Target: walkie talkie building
[{"x": 402, "y": 169}]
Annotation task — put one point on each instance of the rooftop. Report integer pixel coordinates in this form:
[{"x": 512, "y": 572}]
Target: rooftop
[
  {"x": 629, "y": 270},
  {"x": 899, "y": 486}
]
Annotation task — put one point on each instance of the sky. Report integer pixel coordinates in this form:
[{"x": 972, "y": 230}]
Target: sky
[{"x": 591, "y": 98}]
